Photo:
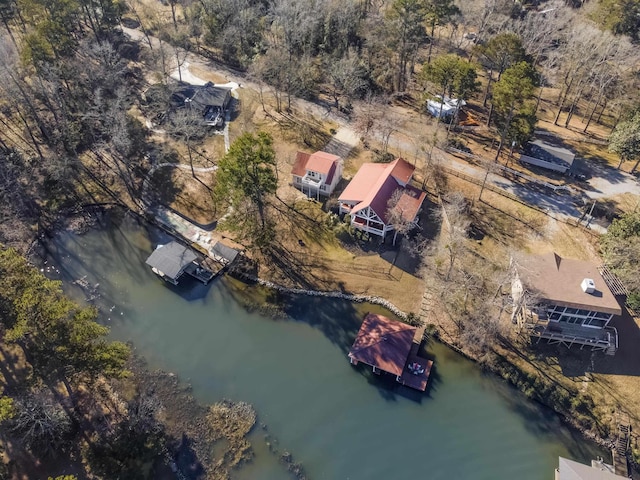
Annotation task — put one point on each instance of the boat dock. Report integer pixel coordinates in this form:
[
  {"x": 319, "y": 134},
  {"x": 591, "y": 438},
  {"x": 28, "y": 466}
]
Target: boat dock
[
  {"x": 173, "y": 260},
  {"x": 391, "y": 346}
]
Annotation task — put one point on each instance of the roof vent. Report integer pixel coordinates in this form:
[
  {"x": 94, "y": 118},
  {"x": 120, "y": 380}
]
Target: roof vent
[{"x": 588, "y": 285}]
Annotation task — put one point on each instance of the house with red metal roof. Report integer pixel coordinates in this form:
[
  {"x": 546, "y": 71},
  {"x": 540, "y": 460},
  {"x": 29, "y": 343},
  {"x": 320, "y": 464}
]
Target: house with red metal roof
[
  {"x": 316, "y": 174},
  {"x": 391, "y": 346},
  {"x": 367, "y": 197}
]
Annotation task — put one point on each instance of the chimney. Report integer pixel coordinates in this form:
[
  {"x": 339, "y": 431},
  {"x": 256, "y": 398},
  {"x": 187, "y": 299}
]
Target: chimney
[{"x": 588, "y": 285}]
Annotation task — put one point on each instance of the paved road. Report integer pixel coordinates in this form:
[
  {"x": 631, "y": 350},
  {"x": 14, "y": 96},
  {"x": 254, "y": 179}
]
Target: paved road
[{"x": 605, "y": 182}]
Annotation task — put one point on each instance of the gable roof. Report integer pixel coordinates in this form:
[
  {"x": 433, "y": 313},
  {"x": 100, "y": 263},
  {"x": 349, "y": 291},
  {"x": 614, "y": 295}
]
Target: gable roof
[
  {"x": 383, "y": 343},
  {"x": 300, "y": 165},
  {"x": 201, "y": 95},
  {"x": 402, "y": 170},
  {"x": 570, "y": 470},
  {"x": 550, "y": 153},
  {"x": 171, "y": 259},
  {"x": 557, "y": 280},
  {"x": 321, "y": 162},
  {"x": 210, "y": 95},
  {"x": 362, "y": 182},
  {"x": 225, "y": 252},
  {"x": 375, "y": 184}
]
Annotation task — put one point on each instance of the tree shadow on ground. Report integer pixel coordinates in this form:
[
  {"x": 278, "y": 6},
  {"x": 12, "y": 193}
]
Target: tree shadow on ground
[
  {"x": 297, "y": 268},
  {"x": 576, "y": 363},
  {"x": 499, "y": 224}
]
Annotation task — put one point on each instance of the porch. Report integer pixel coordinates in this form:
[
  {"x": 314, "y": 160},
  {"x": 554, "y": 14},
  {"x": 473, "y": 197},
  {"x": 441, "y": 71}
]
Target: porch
[
  {"x": 567, "y": 334},
  {"x": 368, "y": 226}
]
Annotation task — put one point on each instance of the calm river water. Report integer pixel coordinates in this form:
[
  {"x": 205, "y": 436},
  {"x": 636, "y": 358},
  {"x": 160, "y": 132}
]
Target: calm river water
[{"x": 337, "y": 420}]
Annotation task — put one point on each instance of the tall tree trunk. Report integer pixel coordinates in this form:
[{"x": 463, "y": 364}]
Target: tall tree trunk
[
  {"x": 604, "y": 106},
  {"x": 574, "y": 104},
  {"x": 538, "y": 99},
  {"x": 593, "y": 111},
  {"x": 486, "y": 92},
  {"x": 490, "y": 115},
  {"x": 433, "y": 29}
]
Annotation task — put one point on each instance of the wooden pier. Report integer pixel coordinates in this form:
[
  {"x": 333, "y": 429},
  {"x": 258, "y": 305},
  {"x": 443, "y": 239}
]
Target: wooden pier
[
  {"x": 416, "y": 379},
  {"x": 619, "y": 453}
]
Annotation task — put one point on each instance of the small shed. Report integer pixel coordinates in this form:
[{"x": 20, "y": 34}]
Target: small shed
[
  {"x": 171, "y": 260},
  {"x": 545, "y": 155}
]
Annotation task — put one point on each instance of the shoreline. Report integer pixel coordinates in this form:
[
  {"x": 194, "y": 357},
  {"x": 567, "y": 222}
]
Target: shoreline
[{"x": 357, "y": 298}]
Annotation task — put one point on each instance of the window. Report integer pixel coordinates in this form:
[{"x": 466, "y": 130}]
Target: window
[
  {"x": 571, "y": 311},
  {"x": 603, "y": 316},
  {"x": 596, "y": 322},
  {"x": 583, "y": 313},
  {"x": 554, "y": 316}
]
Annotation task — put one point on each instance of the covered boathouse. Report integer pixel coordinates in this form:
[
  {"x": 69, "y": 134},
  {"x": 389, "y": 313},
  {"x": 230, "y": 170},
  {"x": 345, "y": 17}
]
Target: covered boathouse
[
  {"x": 172, "y": 260},
  {"x": 391, "y": 346}
]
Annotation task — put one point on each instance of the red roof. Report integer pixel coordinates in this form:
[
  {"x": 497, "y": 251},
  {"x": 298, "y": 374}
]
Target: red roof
[
  {"x": 383, "y": 343},
  {"x": 374, "y": 185},
  {"x": 363, "y": 181},
  {"x": 321, "y": 162},
  {"x": 402, "y": 170},
  {"x": 300, "y": 165}
]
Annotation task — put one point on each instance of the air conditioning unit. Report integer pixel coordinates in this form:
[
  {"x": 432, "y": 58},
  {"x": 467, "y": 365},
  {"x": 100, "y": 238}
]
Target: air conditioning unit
[{"x": 588, "y": 285}]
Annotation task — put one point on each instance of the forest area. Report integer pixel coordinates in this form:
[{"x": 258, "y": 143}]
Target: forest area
[{"x": 72, "y": 85}]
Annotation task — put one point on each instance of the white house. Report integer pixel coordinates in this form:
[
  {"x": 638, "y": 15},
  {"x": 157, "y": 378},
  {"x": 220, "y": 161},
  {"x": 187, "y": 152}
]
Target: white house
[
  {"x": 316, "y": 174},
  {"x": 366, "y": 198}
]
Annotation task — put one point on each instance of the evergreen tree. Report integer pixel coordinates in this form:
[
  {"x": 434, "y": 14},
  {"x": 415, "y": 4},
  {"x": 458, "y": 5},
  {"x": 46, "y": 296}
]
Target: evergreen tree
[
  {"x": 625, "y": 140},
  {"x": 246, "y": 178},
  {"x": 512, "y": 101}
]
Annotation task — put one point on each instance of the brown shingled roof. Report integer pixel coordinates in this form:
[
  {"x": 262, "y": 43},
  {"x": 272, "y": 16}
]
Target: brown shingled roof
[
  {"x": 383, "y": 343},
  {"x": 557, "y": 280}
]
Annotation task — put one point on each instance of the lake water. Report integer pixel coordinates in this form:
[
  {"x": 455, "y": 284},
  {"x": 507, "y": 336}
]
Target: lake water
[{"x": 339, "y": 421}]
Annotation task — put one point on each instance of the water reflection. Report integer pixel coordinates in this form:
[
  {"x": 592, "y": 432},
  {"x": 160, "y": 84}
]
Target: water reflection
[{"x": 340, "y": 421}]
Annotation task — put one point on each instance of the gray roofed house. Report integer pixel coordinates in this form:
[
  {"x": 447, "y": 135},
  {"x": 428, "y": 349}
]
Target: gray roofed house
[
  {"x": 171, "y": 260},
  {"x": 209, "y": 99},
  {"x": 570, "y": 470},
  {"x": 548, "y": 156}
]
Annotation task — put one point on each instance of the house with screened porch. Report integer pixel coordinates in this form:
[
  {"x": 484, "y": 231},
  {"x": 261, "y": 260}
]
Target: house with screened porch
[
  {"x": 367, "y": 197},
  {"x": 565, "y": 301}
]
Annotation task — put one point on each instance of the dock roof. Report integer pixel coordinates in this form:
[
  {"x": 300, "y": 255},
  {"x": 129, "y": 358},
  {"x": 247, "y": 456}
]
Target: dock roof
[
  {"x": 224, "y": 252},
  {"x": 570, "y": 470},
  {"x": 383, "y": 343},
  {"x": 557, "y": 280},
  {"x": 171, "y": 259}
]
